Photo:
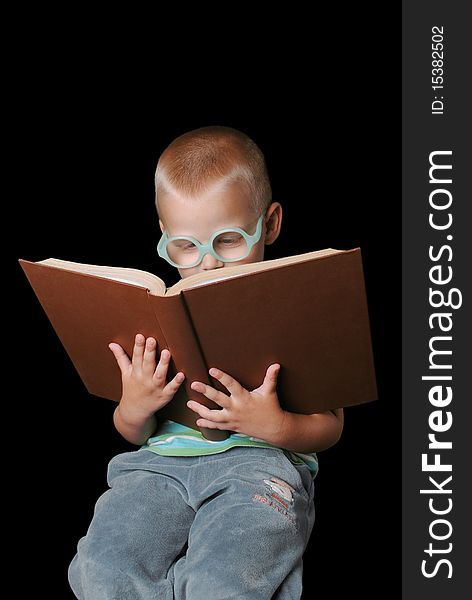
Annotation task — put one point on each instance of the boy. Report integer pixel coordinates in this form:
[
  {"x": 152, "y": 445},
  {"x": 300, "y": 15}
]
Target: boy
[{"x": 185, "y": 517}]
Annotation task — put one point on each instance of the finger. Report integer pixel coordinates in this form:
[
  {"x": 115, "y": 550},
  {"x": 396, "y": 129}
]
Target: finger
[
  {"x": 233, "y": 386},
  {"x": 160, "y": 373},
  {"x": 138, "y": 351},
  {"x": 270, "y": 379},
  {"x": 215, "y": 416},
  {"x": 210, "y": 392},
  {"x": 173, "y": 385},
  {"x": 209, "y": 424},
  {"x": 149, "y": 358},
  {"x": 121, "y": 357}
]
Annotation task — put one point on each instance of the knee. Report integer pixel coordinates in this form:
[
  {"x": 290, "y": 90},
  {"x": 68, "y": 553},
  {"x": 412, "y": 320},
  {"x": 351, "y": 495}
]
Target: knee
[
  {"x": 90, "y": 568},
  {"x": 99, "y": 573},
  {"x": 90, "y": 579},
  {"x": 108, "y": 574},
  {"x": 99, "y": 553}
]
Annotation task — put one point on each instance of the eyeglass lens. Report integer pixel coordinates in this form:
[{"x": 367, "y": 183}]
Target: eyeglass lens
[{"x": 230, "y": 245}]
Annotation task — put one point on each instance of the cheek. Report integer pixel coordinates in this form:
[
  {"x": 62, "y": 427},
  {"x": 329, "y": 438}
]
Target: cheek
[
  {"x": 257, "y": 252},
  {"x": 187, "y": 272},
  {"x": 256, "y": 255}
]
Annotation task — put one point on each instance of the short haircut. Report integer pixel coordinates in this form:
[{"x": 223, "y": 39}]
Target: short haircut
[{"x": 200, "y": 158}]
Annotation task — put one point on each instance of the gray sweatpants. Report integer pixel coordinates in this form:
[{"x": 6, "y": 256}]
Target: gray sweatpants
[{"x": 224, "y": 526}]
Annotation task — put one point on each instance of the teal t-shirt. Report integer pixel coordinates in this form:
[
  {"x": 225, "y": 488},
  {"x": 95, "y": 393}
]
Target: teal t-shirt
[{"x": 173, "y": 439}]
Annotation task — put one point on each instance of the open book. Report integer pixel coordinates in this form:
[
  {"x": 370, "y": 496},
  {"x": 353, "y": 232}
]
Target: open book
[{"x": 307, "y": 312}]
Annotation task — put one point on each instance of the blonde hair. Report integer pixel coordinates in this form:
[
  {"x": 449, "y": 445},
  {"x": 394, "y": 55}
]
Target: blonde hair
[{"x": 200, "y": 158}]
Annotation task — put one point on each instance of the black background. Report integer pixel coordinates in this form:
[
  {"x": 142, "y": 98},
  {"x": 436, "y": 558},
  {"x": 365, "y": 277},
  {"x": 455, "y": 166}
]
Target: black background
[{"x": 91, "y": 112}]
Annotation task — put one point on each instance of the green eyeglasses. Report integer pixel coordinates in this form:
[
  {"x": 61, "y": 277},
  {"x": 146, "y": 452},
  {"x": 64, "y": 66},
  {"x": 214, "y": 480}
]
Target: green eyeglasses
[{"x": 226, "y": 245}]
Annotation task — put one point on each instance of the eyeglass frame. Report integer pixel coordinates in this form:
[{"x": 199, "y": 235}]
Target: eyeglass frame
[{"x": 207, "y": 248}]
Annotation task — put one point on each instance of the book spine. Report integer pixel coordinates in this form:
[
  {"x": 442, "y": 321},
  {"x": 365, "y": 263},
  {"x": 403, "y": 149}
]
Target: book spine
[{"x": 186, "y": 355}]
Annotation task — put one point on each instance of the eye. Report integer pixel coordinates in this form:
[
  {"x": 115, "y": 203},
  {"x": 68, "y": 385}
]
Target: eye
[
  {"x": 228, "y": 240},
  {"x": 181, "y": 246},
  {"x": 181, "y": 243}
]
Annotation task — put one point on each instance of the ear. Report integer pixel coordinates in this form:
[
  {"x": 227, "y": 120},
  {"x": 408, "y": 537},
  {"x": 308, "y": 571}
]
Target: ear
[
  {"x": 161, "y": 225},
  {"x": 273, "y": 223}
]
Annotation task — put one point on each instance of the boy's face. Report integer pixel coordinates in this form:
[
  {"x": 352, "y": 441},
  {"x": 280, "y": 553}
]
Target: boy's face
[{"x": 219, "y": 207}]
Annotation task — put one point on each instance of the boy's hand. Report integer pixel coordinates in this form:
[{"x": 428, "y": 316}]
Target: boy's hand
[
  {"x": 257, "y": 413},
  {"x": 144, "y": 386}
]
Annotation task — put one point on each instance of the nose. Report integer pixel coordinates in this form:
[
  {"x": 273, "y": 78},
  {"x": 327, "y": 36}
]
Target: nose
[{"x": 210, "y": 262}]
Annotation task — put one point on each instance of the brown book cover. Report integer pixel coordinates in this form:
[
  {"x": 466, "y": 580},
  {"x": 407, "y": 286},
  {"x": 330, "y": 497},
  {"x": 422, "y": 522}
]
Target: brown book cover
[{"x": 307, "y": 312}]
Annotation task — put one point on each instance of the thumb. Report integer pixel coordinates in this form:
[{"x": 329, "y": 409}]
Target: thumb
[
  {"x": 270, "y": 379},
  {"x": 121, "y": 356}
]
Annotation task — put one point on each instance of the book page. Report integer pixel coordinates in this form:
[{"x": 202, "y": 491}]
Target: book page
[
  {"x": 238, "y": 270},
  {"x": 124, "y": 274}
]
